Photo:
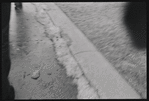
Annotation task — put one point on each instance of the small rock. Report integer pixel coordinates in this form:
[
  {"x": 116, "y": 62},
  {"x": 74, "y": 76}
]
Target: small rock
[{"x": 36, "y": 74}]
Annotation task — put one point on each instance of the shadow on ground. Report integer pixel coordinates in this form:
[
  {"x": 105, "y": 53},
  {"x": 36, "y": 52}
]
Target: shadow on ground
[{"x": 135, "y": 21}]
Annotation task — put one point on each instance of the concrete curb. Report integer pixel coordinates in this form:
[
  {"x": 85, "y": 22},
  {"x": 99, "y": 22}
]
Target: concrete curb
[
  {"x": 97, "y": 69},
  {"x": 63, "y": 54}
]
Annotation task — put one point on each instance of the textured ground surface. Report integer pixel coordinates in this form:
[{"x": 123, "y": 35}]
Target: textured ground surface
[
  {"x": 103, "y": 26},
  {"x": 30, "y": 51}
]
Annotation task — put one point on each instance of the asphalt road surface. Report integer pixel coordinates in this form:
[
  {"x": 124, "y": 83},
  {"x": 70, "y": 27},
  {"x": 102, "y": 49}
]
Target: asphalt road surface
[{"x": 35, "y": 72}]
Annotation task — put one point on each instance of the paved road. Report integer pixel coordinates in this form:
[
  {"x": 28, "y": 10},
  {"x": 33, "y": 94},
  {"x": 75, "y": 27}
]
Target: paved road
[
  {"x": 35, "y": 74},
  {"x": 102, "y": 24}
]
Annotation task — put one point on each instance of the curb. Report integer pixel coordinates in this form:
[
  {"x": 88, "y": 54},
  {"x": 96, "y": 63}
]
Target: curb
[{"x": 96, "y": 68}]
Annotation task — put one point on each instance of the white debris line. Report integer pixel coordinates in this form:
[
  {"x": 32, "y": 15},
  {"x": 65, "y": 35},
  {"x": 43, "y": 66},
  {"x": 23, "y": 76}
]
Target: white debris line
[{"x": 64, "y": 56}]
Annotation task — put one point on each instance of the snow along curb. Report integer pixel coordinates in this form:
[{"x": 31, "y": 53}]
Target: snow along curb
[{"x": 64, "y": 57}]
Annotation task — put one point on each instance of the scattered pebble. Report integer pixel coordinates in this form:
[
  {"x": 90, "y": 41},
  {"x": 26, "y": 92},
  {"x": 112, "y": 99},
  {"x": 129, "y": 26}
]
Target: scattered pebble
[{"x": 36, "y": 74}]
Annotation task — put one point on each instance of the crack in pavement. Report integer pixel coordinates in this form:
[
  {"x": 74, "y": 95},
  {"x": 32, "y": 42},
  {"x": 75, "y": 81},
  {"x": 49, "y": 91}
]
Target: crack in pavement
[{"x": 83, "y": 52}]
